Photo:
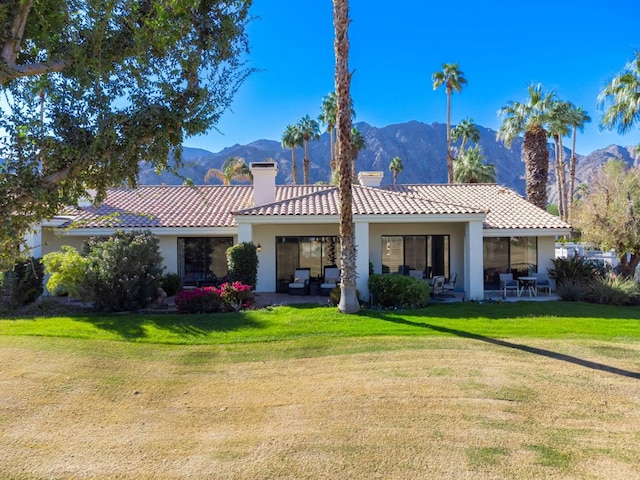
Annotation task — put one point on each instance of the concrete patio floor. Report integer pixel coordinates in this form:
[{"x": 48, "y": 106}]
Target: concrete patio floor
[{"x": 264, "y": 299}]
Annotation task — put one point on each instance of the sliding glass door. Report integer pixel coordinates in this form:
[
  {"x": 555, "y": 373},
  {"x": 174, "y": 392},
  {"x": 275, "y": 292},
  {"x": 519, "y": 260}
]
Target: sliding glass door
[
  {"x": 427, "y": 253},
  {"x": 201, "y": 256},
  {"x": 516, "y": 255},
  {"x": 313, "y": 253}
]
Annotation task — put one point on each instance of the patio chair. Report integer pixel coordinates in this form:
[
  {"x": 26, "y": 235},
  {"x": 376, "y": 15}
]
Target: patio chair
[
  {"x": 190, "y": 281},
  {"x": 437, "y": 290},
  {"x": 542, "y": 281},
  {"x": 507, "y": 283},
  {"x": 450, "y": 284},
  {"x": 330, "y": 280},
  {"x": 417, "y": 274},
  {"x": 300, "y": 284}
]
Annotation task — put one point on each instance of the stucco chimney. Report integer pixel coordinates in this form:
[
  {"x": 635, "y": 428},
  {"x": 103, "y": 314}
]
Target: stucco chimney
[
  {"x": 264, "y": 182},
  {"x": 370, "y": 179}
]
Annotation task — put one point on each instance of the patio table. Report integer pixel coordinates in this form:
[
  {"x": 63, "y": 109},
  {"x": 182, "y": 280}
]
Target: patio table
[{"x": 528, "y": 283}]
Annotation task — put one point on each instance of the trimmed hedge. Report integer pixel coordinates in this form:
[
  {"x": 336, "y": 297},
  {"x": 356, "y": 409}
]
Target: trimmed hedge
[
  {"x": 398, "y": 291},
  {"x": 242, "y": 262}
]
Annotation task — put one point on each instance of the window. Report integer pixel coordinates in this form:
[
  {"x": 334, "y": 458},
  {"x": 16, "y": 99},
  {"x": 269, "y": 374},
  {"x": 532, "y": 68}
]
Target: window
[
  {"x": 517, "y": 255},
  {"x": 314, "y": 253},
  {"x": 203, "y": 255},
  {"x": 428, "y": 253}
]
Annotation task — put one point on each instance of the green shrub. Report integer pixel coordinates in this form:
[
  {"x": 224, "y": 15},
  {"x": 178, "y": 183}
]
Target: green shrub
[
  {"x": 575, "y": 270},
  {"x": 612, "y": 291},
  {"x": 124, "y": 271},
  {"x": 170, "y": 283},
  {"x": 570, "y": 292},
  {"x": 242, "y": 262},
  {"x": 23, "y": 285},
  {"x": 398, "y": 291},
  {"x": 67, "y": 270}
]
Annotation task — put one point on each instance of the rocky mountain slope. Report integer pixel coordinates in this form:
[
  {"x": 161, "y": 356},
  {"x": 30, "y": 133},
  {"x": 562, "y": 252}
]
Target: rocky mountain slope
[{"x": 422, "y": 148}]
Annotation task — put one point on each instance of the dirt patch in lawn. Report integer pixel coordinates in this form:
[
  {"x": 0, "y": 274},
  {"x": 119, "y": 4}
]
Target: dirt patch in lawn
[{"x": 432, "y": 408}]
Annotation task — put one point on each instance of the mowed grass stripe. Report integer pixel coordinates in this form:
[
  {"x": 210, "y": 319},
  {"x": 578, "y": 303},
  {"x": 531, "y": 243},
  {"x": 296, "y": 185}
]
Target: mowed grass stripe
[{"x": 509, "y": 320}]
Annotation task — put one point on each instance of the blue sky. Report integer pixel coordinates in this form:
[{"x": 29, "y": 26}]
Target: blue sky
[{"x": 573, "y": 47}]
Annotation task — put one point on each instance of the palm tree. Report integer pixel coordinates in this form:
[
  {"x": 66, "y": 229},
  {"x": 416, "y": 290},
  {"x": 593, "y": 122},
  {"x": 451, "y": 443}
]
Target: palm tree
[
  {"x": 328, "y": 118},
  {"x": 357, "y": 144},
  {"x": 559, "y": 122},
  {"x": 233, "y": 168},
  {"x": 348, "y": 294},
  {"x": 396, "y": 167},
  {"x": 310, "y": 130},
  {"x": 453, "y": 79},
  {"x": 465, "y": 130},
  {"x": 578, "y": 118},
  {"x": 469, "y": 168},
  {"x": 622, "y": 98},
  {"x": 292, "y": 138},
  {"x": 530, "y": 118}
]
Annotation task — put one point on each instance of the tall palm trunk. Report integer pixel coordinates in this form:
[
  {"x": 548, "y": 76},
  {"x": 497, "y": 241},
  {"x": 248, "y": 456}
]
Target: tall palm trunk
[
  {"x": 536, "y": 164},
  {"x": 562, "y": 193},
  {"x": 332, "y": 147},
  {"x": 559, "y": 174},
  {"x": 294, "y": 166},
  {"x": 572, "y": 174},
  {"x": 305, "y": 163},
  {"x": 449, "y": 155},
  {"x": 348, "y": 298}
]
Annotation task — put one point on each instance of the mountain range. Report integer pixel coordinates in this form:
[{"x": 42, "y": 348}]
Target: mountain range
[{"x": 421, "y": 147}]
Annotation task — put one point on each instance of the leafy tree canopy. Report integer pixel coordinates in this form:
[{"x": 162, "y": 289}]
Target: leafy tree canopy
[
  {"x": 608, "y": 214},
  {"x": 90, "y": 88}
]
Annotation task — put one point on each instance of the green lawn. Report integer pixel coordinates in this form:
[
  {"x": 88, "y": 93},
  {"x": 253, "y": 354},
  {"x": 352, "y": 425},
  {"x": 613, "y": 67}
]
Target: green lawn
[
  {"x": 549, "y": 320},
  {"x": 526, "y": 390}
]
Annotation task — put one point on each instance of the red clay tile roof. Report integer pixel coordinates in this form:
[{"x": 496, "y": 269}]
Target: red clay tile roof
[
  {"x": 505, "y": 208},
  {"x": 212, "y": 205},
  {"x": 366, "y": 201},
  {"x": 166, "y": 206}
]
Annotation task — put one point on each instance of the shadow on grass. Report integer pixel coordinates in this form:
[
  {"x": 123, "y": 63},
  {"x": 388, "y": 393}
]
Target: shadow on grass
[
  {"x": 516, "y": 346},
  {"x": 133, "y": 326},
  {"x": 500, "y": 310}
]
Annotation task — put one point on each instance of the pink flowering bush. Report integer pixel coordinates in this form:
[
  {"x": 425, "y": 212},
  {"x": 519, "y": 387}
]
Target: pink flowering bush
[
  {"x": 228, "y": 297},
  {"x": 199, "y": 300},
  {"x": 236, "y": 296}
]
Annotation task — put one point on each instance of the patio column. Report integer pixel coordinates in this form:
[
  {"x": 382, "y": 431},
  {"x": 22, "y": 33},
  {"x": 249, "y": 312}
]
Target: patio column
[
  {"x": 473, "y": 261},
  {"x": 362, "y": 261}
]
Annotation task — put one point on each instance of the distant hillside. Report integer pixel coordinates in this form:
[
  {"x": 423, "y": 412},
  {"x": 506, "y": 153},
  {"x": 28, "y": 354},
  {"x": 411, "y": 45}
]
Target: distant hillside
[{"x": 422, "y": 148}]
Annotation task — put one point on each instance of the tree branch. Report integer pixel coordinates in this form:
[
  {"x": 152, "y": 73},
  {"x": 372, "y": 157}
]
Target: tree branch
[{"x": 11, "y": 48}]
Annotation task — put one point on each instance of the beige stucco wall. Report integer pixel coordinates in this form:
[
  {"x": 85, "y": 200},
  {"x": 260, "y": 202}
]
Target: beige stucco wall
[
  {"x": 265, "y": 235},
  {"x": 546, "y": 253},
  {"x": 52, "y": 241}
]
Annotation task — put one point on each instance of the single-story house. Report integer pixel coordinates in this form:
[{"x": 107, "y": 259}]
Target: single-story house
[{"x": 474, "y": 230}]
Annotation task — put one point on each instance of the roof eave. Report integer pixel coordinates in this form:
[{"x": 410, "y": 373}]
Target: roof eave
[
  {"x": 160, "y": 231},
  {"x": 526, "y": 232}
]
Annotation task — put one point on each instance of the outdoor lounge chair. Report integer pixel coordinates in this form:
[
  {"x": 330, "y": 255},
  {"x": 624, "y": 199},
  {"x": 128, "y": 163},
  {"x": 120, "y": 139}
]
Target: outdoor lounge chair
[
  {"x": 330, "y": 280},
  {"x": 437, "y": 290},
  {"x": 300, "y": 284},
  {"x": 450, "y": 284},
  {"x": 507, "y": 283},
  {"x": 542, "y": 281}
]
